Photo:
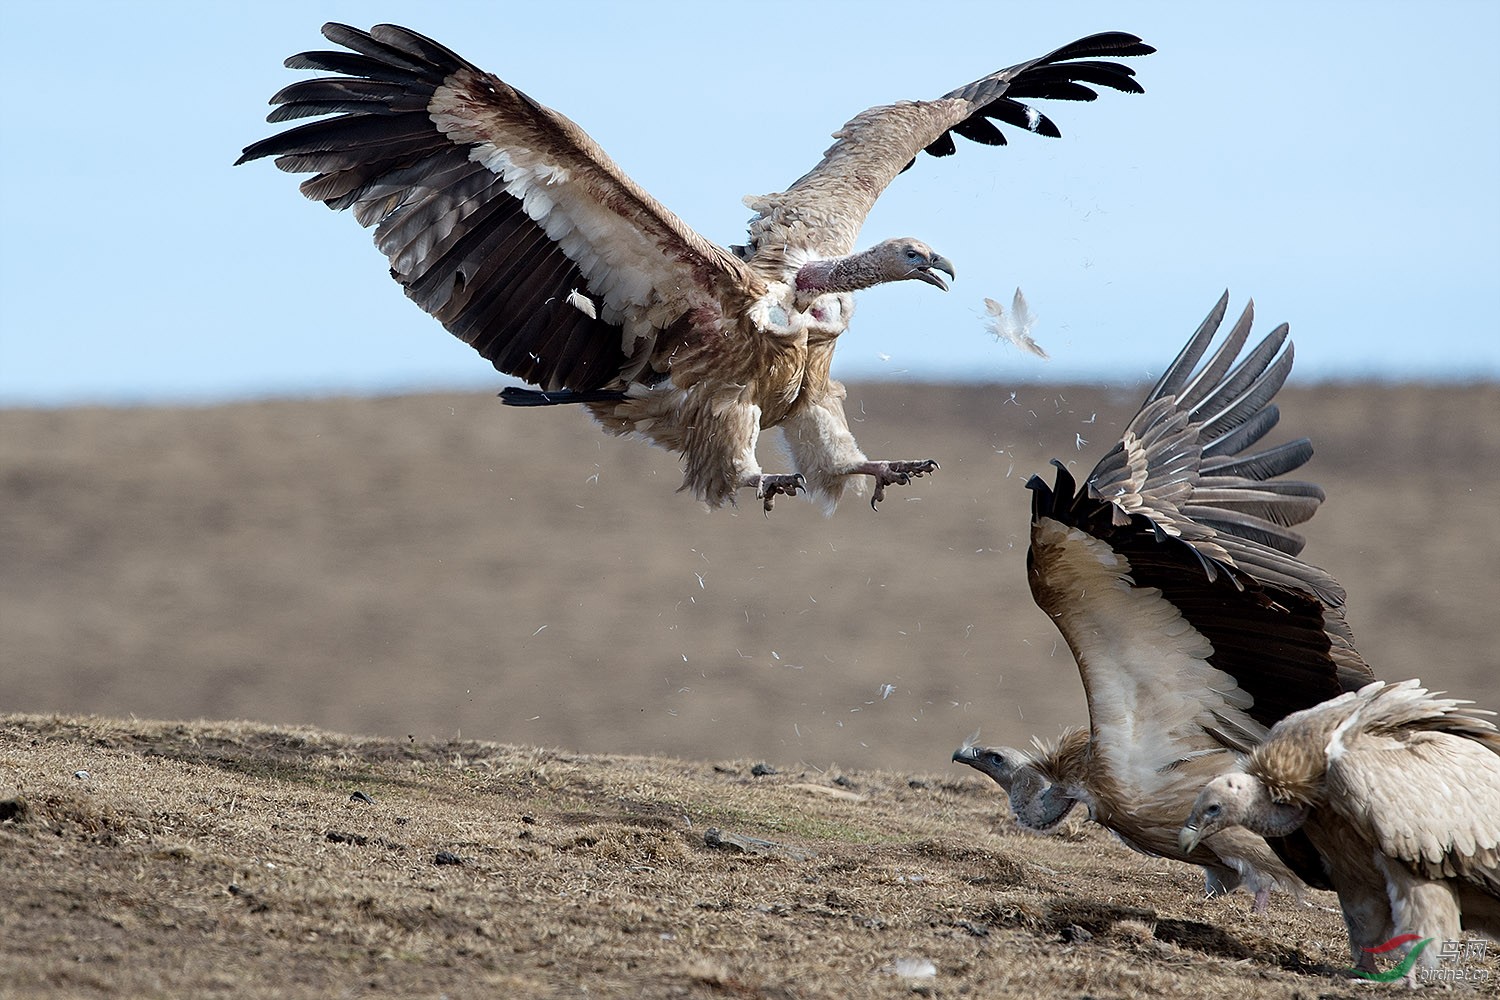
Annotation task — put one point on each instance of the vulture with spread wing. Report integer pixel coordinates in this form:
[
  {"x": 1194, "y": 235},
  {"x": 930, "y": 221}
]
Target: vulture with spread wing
[
  {"x": 1399, "y": 790},
  {"x": 1173, "y": 576},
  {"x": 505, "y": 221}
]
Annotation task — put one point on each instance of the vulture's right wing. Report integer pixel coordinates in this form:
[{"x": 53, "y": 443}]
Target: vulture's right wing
[
  {"x": 500, "y": 217},
  {"x": 832, "y": 199}
]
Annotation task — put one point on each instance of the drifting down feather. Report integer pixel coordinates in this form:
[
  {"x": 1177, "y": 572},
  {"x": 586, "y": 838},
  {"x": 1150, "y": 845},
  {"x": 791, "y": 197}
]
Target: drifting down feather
[{"x": 1014, "y": 326}]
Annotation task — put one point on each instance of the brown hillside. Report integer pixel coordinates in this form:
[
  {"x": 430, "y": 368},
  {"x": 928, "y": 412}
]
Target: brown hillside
[{"x": 441, "y": 566}]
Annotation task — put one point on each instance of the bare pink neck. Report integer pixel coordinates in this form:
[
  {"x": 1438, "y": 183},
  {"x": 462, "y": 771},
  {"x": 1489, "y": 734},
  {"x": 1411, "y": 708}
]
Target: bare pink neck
[{"x": 840, "y": 274}]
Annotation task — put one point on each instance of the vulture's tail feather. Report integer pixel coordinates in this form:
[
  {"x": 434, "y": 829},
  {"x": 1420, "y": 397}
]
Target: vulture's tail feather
[{"x": 517, "y": 396}]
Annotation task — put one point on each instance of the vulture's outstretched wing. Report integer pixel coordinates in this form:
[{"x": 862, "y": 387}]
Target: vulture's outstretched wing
[
  {"x": 1423, "y": 776},
  {"x": 832, "y": 200},
  {"x": 500, "y": 217},
  {"x": 1173, "y": 570},
  {"x": 1172, "y": 575}
]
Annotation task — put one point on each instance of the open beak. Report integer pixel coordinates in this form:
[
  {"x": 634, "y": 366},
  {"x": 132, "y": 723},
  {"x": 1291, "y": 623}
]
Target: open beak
[
  {"x": 1187, "y": 839},
  {"x": 937, "y": 263}
]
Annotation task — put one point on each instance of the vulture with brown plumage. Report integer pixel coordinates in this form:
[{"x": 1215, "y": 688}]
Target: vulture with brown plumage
[
  {"x": 504, "y": 220},
  {"x": 1173, "y": 576},
  {"x": 1399, "y": 790}
]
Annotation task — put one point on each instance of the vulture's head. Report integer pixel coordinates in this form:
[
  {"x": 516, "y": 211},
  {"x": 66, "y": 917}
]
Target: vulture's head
[
  {"x": 907, "y": 259},
  {"x": 1037, "y": 802},
  {"x": 1238, "y": 799}
]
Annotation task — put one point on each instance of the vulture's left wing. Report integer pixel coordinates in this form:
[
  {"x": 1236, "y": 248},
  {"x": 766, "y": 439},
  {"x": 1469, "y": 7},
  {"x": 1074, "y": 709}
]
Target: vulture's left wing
[
  {"x": 832, "y": 200},
  {"x": 500, "y": 217},
  {"x": 1172, "y": 573}
]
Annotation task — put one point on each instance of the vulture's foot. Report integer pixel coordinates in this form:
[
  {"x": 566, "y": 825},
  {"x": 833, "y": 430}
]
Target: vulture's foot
[
  {"x": 892, "y": 474},
  {"x": 1262, "y": 901},
  {"x": 767, "y": 488}
]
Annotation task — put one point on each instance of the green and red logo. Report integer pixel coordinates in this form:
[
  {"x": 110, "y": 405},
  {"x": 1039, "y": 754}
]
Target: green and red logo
[{"x": 1401, "y": 969}]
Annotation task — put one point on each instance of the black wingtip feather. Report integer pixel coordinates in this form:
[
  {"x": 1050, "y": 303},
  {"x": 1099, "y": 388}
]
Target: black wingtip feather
[
  {"x": 1105, "y": 43},
  {"x": 463, "y": 251},
  {"x": 1065, "y": 74}
]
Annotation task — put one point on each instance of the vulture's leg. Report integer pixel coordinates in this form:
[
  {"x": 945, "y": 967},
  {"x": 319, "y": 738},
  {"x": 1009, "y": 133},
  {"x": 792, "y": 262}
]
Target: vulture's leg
[
  {"x": 892, "y": 474},
  {"x": 1367, "y": 916},
  {"x": 1219, "y": 880},
  {"x": 1428, "y": 907},
  {"x": 729, "y": 448},
  {"x": 824, "y": 450}
]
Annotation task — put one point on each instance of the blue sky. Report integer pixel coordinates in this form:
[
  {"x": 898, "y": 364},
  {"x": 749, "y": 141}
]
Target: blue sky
[{"x": 1338, "y": 162}]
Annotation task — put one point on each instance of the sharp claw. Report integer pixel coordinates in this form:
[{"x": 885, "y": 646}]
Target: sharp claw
[
  {"x": 769, "y": 487},
  {"x": 898, "y": 474}
]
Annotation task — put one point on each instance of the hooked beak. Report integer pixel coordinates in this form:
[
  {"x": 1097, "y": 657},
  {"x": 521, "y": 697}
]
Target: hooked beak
[
  {"x": 937, "y": 263},
  {"x": 1187, "y": 838}
]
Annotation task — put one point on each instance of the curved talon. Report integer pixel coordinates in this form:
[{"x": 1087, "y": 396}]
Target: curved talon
[
  {"x": 895, "y": 474},
  {"x": 768, "y": 487}
]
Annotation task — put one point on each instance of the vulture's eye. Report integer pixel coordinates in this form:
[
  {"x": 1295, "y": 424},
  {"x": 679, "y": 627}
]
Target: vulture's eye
[
  {"x": 1211, "y": 811},
  {"x": 912, "y": 254}
]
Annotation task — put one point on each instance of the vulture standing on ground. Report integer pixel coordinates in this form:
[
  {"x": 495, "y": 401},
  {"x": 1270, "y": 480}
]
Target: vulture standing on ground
[
  {"x": 509, "y": 224},
  {"x": 1400, "y": 792},
  {"x": 1172, "y": 575}
]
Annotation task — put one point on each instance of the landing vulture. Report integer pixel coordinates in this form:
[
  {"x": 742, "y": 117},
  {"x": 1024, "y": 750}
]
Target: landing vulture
[
  {"x": 504, "y": 220},
  {"x": 1399, "y": 790},
  {"x": 1173, "y": 576}
]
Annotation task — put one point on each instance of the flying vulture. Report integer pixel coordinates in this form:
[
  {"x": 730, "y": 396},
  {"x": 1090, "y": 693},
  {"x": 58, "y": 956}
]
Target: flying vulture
[
  {"x": 1173, "y": 576},
  {"x": 504, "y": 220},
  {"x": 1399, "y": 790}
]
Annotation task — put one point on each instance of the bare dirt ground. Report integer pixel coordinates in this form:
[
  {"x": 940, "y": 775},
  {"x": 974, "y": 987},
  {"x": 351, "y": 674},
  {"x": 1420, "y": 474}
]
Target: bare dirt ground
[
  {"x": 434, "y": 569},
  {"x": 158, "y": 859}
]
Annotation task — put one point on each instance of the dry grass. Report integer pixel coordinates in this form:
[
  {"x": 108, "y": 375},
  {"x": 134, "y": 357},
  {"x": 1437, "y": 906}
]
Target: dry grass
[{"x": 155, "y": 859}]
